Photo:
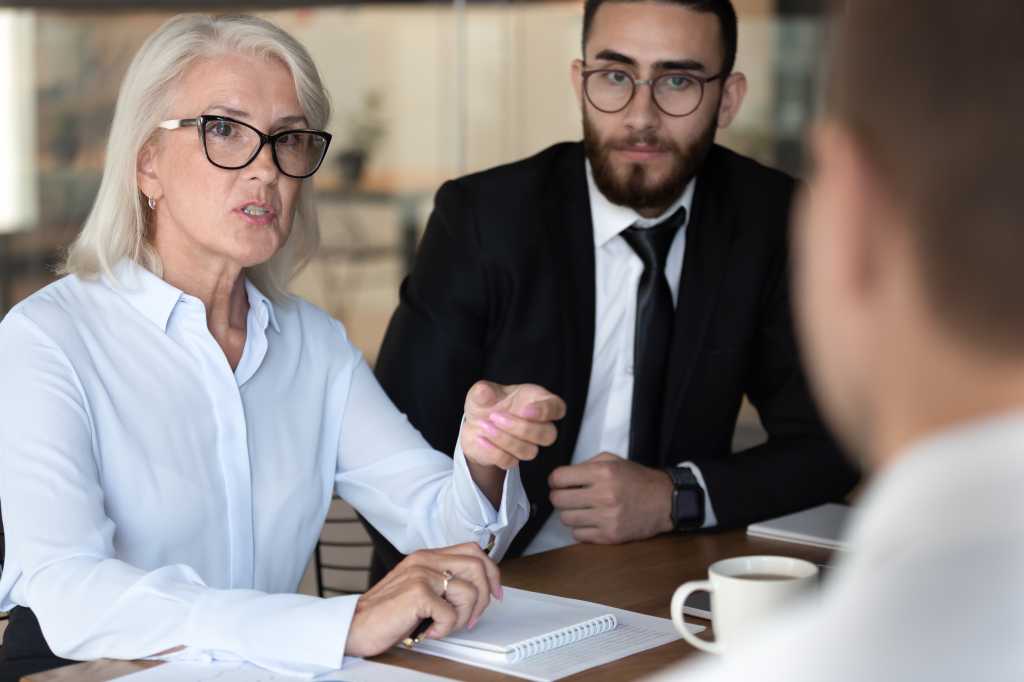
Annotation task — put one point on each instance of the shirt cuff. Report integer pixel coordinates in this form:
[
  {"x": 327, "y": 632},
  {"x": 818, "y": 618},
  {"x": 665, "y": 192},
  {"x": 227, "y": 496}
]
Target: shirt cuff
[
  {"x": 492, "y": 528},
  {"x": 291, "y": 634},
  {"x": 710, "y": 520}
]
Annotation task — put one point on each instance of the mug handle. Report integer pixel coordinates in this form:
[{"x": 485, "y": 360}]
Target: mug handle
[{"x": 676, "y": 609}]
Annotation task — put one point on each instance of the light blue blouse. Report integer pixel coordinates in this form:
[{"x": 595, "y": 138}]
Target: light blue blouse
[{"x": 153, "y": 497}]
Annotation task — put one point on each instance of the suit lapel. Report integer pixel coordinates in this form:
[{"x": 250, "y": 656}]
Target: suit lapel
[
  {"x": 566, "y": 213},
  {"x": 709, "y": 237},
  {"x": 568, "y": 204}
]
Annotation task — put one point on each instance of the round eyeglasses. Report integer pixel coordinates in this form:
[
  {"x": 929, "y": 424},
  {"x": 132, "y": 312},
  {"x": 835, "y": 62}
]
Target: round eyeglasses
[
  {"x": 231, "y": 144},
  {"x": 675, "y": 94}
]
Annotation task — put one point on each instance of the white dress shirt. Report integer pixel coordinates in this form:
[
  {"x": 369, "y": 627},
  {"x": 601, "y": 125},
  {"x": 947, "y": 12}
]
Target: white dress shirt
[
  {"x": 153, "y": 497},
  {"x": 617, "y": 269},
  {"x": 931, "y": 589}
]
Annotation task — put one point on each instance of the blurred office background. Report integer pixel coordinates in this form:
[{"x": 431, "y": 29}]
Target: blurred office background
[{"x": 422, "y": 91}]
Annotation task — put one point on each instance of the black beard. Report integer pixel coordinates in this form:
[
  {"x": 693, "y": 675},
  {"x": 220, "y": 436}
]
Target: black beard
[{"x": 635, "y": 190}]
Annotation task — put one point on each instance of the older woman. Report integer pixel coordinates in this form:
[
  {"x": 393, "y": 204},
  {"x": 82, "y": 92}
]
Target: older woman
[{"x": 173, "y": 425}]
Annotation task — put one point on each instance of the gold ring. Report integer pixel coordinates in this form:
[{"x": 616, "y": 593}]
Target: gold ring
[{"x": 447, "y": 575}]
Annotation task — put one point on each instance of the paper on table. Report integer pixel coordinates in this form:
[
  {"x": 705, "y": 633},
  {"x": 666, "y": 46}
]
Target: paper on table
[
  {"x": 354, "y": 670},
  {"x": 636, "y": 632},
  {"x": 819, "y": 527}
]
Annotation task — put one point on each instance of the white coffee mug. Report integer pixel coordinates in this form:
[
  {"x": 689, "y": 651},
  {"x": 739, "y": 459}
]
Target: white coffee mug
[{"x": 744, "y": 591}]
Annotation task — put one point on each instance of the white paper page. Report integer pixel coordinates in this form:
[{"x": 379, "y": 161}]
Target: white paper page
[
  {"x": 636, "y": 632},
  {"x": 354, "y": 670},
  {"x": 359, "y": 670},
  {"x": 523, "y": 615}
]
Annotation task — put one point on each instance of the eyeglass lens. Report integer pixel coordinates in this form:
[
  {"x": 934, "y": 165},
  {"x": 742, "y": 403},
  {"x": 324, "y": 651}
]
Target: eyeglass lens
[
  {"x": 676, "y": 94},
  {"x": 233, "y": 145}
]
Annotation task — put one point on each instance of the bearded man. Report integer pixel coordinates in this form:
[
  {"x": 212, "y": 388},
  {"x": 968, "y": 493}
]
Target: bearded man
[{"x": 642, "y": 275}]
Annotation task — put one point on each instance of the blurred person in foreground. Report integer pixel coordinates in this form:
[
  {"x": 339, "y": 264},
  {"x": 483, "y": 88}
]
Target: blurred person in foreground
[
  {"x": 173, "y": 424},
  {"x": 908, "y": 249}
]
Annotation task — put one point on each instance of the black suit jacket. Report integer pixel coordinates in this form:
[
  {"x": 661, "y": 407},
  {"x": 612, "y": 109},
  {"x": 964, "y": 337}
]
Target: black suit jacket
[{"x": 503, "y": 289}]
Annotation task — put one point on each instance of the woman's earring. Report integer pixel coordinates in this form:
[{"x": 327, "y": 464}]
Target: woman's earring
[{"x": 152, "y": 204}]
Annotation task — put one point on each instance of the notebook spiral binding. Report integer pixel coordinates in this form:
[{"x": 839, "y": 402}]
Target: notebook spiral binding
[{"x": 560, "y": 638}]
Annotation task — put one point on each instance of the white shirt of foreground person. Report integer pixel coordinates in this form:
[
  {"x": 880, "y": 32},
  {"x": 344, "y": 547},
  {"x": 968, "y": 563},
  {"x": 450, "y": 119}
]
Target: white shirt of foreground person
[
  {"x": 932, "y": 588},
  {"x": 154, "y": 498}
]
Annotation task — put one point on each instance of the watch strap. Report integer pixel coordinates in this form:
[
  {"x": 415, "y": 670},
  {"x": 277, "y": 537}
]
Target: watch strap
[{"x": 687, "y": 499}]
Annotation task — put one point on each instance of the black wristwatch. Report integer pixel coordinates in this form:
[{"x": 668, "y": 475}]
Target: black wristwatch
[{"x": 687, "y": 499}]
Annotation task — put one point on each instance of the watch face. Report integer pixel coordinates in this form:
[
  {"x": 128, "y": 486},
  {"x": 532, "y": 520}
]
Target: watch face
[
  {"x": 689, "y": 504},
  {"x": 687, "y": 499}
]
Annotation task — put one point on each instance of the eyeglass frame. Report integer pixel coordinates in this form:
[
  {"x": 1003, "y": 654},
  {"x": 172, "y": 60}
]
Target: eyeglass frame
[
  {"x": 200, "y": 124},
  {"x": 703, "y": 81}
]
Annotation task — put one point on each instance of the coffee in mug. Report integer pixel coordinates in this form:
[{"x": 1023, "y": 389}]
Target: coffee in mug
[{"x": 744, "y": 592}]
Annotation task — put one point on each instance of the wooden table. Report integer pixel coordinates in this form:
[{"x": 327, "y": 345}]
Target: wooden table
[{"x": 639, "y": 576}]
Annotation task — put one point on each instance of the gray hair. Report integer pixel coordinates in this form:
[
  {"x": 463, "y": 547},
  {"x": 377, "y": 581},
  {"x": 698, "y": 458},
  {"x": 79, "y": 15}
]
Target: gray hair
[{"x": 118, "y": 224}]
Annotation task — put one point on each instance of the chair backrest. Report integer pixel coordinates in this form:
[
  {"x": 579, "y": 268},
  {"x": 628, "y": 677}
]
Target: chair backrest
[{"x": 343, "y": 553}]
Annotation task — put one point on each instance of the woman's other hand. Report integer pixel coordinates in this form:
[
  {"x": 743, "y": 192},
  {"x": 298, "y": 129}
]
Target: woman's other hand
[{"x": 416, "y": 590}]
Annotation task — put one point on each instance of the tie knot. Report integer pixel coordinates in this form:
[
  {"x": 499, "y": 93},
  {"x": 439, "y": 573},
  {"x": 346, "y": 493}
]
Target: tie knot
[{"x": 653, "y": 243}]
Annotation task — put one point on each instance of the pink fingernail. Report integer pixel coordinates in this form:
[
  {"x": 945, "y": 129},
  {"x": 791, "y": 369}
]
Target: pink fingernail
[
  {"x": 501, "y": 419},
  {"x": 490, "y": 428},
  {"x": 483, "y": 441},
  {"x": 472, "y": 623},
  {"x": 501, "y": 594}
]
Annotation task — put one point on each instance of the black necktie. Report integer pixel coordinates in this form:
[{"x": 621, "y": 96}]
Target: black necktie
[{"x": 654, "y": 321}]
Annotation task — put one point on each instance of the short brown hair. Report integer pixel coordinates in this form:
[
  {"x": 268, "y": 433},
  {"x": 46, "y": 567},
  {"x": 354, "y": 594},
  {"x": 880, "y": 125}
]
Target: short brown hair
[
  {"x": 722, "y": 9},
  {"x": 933, "y": 92}
]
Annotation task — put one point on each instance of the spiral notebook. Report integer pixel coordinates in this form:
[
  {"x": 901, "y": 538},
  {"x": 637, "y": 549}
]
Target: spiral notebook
[
  {"x": 552, "y": 637},
  {"x": 524, "y": 624}
]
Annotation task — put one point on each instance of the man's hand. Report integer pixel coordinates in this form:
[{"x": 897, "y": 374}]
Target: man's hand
[
  {"x": 609, "y": 500},
  {"x": 393, "y": 608}
]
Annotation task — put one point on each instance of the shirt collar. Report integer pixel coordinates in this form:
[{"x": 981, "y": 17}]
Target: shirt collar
[
  {"x": 155, "y": 299},
  {"x": 611, "y": 219},
  {"x": 258, "y": 301},
  {"x": 968, "y": 462},
  {"x": 151, "y": 296}
]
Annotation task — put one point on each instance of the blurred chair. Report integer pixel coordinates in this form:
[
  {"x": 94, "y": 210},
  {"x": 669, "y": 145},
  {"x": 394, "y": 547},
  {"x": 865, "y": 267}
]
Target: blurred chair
[{"x": 342, "y": 555}]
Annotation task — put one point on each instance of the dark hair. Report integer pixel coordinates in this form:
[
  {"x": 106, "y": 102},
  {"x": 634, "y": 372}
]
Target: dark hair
[
  {"x": 722, "y": 9},
  {"x": 930, "y": 91}
]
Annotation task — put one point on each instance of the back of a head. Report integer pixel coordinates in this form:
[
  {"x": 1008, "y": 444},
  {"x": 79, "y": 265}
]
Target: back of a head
[
  {"x": 723, "y": 9},
  {"x": 931, "y": 91}
]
